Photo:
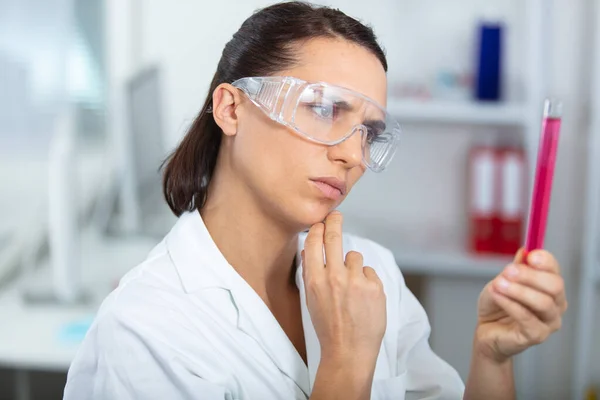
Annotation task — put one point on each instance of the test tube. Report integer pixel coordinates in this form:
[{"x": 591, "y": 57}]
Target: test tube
[{"x": 544, "y": 174}]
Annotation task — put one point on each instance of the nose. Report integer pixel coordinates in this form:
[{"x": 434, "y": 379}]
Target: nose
[{"x": 349, "y": 152}]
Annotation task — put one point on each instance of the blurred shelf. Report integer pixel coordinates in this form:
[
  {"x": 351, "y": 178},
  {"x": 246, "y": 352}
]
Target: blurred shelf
[
  {"x": 450, "y": 263},
  {"x": 447, "y": 257},
  {"x": 511, "y": 114}
]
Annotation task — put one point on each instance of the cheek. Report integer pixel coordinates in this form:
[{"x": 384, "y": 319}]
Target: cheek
[
  {"x": 354, "y": 176},
  {"x": 268, "y": 152},
  {"x": 284, "y": 152}
]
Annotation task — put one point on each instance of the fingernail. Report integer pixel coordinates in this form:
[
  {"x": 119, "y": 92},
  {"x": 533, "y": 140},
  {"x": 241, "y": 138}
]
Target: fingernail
[
  {"x": 512, "y": 270},
  {"x": 536, "y": 258},
  {"x": 503, "y": 284}
]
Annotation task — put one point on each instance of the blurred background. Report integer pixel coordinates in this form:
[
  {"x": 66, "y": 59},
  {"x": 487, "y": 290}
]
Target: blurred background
[{"x": 95, "y": 93}]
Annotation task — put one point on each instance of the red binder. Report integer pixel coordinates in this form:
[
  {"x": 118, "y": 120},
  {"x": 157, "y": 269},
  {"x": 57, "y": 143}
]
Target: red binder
[
  {"x": 512, "y": 199},
  {"x": 483, "y": 199}
]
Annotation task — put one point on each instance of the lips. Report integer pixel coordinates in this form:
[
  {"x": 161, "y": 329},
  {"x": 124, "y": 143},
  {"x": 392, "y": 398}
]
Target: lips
[{"x": 332, "y": 188}]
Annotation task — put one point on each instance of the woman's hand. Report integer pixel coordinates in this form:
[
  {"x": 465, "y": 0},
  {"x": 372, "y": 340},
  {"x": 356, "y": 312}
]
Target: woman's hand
[
  {"x": 521, "y": 307},
  {"x": 346, "y": 303},
  {"x": 345, "y": 299}
]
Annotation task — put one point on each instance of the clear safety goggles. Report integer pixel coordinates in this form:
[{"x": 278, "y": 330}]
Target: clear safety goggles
[{"x": 326, "y": 114}]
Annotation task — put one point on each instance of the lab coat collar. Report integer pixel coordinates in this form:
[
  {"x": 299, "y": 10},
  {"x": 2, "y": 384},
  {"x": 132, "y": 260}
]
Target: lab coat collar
[
  {"x": 199, "y": 262},
  {"x": 201, "y": 265},
  {"x": 257, "y": 321}
]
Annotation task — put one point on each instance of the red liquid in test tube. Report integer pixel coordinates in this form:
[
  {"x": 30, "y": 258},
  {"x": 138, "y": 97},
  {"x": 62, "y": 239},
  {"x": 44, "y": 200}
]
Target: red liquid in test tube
[{"x": 544, "y": 174}]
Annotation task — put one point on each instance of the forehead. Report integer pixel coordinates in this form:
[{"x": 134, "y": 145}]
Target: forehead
[{"x": 340, "y": 62}]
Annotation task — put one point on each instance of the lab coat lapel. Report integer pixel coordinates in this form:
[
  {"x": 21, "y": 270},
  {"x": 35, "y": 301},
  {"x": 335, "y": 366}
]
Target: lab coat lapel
[
  {"x": 313, "y": 347},
  {"x": 257, "y": 321},
  {"x": 191, "y": 245}
]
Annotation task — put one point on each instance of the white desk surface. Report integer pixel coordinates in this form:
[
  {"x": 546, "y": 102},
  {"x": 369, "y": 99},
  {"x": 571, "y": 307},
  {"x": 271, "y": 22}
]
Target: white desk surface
[{"x": 33, "y": 336}]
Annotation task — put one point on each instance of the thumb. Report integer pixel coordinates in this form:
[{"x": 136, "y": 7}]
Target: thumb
[{"x": 520, "y": 256}]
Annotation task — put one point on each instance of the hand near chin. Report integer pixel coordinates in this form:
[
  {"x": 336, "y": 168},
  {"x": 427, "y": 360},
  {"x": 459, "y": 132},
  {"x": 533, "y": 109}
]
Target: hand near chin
[{"x": 345, "y": 298}]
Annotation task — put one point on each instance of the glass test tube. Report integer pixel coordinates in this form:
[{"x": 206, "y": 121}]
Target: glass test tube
[{"x": 544, "y": 174}]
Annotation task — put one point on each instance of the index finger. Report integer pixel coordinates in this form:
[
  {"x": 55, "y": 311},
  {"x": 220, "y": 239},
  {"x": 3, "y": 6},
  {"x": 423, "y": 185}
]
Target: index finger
[
  {"x": 543, "y": 260},
  {"x": 313, "y": 250},
  {"x": 334, "y": 253}
]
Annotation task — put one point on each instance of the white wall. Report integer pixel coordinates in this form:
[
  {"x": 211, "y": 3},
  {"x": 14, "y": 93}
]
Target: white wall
[
  {"x": 187, "y": 39},
  {"x": 424, "y": 189}
]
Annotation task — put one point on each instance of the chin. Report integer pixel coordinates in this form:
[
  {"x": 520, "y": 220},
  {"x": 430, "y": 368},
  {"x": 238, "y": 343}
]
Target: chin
[{"x": 309, "y": 214}]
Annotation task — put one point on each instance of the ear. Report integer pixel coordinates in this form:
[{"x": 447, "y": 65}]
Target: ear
[{"x": 224, "y": 101}]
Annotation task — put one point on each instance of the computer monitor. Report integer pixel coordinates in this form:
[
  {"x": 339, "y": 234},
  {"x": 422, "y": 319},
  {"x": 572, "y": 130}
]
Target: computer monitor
[{"x": 146, "y": 151}]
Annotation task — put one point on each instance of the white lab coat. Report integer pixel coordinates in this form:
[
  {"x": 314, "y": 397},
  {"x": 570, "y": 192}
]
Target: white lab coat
[{"x": 185, "y": 325}]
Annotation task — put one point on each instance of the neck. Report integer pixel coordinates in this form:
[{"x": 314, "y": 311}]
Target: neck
[{"x": 260, "y": 248}]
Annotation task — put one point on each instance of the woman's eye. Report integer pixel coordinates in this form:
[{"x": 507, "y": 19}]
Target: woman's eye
[
  {"x": 373, "y": 135},
  {"x": 326, "y": 111}
]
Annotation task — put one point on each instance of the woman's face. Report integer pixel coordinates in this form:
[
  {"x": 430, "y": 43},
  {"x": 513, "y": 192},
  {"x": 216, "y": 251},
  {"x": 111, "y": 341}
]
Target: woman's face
[{"x": 290, "y": 176}]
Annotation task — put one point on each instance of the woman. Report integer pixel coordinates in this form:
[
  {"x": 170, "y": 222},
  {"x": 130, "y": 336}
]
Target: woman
[{"x": 236, "y": 302}]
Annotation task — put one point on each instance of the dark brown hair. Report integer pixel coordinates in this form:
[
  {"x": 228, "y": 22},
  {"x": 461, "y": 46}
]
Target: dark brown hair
[{"x": 263, "y": 45}]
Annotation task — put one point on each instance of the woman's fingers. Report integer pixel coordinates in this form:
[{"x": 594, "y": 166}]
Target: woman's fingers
[
  {"x": 326, "y": 235},
  {"x": 354, "y": 262},
  {"x": 534, "y": 330},
  {"x": 334, "y": 253},
  {"x": 544, "y": 261},
  {"x": 546, "y": 282},
  {"x": 372, "y": 275},
  {"x": 537, "y": 302},
  {"x": 519, "y": 255},
  {"x": 312, "y": 255}
]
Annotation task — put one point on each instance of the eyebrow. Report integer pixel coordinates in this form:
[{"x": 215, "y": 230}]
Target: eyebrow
[
  {"x": 343, "y": 104},
  {"x": 376, "y": 124}
]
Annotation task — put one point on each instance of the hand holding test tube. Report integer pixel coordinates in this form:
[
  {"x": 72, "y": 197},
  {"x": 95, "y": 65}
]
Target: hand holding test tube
[{"x": 524, "y": 304}]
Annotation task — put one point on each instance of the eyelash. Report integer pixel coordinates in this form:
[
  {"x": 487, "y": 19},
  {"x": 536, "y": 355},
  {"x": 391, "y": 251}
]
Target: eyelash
[
  {"x": 373, "y": 137},
  {"x": 315, "y": 106}
]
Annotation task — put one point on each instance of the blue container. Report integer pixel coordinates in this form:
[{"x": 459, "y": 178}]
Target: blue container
[{"x": 489, "y": 62}]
